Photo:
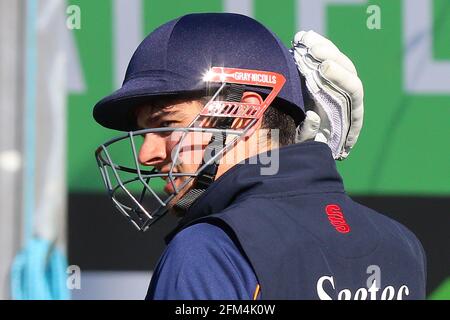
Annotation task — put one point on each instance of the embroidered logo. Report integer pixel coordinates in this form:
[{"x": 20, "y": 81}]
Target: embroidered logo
[{"x": 336, "y": 218}]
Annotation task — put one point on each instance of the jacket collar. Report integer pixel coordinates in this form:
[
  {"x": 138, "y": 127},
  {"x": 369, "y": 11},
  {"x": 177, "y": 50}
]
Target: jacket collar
[{"x": 302, "y": 168}]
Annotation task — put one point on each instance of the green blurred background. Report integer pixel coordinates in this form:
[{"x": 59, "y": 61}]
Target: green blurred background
[{"x": 403, "y": 146}]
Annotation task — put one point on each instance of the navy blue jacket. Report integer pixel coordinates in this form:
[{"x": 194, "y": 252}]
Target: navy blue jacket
[
  {"x": 202, "y": 262},
  {"x": 299, "y": 234}
]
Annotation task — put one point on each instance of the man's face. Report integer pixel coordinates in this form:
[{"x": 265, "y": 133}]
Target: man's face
[{"x": 158, "y": 149}]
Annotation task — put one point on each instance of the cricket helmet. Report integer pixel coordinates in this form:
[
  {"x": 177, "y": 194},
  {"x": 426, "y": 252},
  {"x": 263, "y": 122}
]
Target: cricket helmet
[{"x": 209, "y": 54}]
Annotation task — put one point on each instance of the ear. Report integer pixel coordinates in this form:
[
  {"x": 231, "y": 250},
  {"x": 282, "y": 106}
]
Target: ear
[{"x": 253, "y": 98}]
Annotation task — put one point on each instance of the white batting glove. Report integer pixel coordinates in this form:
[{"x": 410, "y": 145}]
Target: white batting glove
[{"x": 336, "y": 115}]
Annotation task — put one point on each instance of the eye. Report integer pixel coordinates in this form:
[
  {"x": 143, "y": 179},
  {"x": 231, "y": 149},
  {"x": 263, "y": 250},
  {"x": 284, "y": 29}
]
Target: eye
[{"x": 166, "y": 124}]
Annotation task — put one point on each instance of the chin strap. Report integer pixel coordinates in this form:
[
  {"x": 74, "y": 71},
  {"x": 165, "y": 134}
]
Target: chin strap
[{"x": 207, "y": 176}]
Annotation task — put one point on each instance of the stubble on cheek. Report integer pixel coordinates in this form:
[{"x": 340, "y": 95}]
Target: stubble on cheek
[
  {"x": 179, "y": 181},
  {"x": 188, "y": 161},
  {"x": 172, "y": 208}
]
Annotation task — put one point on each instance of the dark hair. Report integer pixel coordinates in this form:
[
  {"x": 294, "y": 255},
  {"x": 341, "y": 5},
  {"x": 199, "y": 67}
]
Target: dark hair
[{"x": 274, "y": 118}]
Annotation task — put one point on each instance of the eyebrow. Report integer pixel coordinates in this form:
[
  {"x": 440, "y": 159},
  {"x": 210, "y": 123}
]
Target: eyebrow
[
  {"x": 151, "y": 117},
  {"x": 161, "y": 113}
]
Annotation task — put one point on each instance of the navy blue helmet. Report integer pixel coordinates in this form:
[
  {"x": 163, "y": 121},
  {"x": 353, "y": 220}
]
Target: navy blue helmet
[
  {"x": 194, "y": 54},
  {"x": 173, "y": 59}
]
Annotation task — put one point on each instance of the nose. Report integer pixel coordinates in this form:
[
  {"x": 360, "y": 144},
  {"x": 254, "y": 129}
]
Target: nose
[{"x": 153, "y": 150}]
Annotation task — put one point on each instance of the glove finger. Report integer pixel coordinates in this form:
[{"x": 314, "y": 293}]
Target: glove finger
[
  {"x": 311, "y": 38},
  {"x": 309, "y": 128},
  {"x": 322, "y": 137},
  {"x": 355, "y": 127},
  {"x": 323, "y": 52},
  {"x": 298, "y": 37},
  {"x": 343, "y": 79},
  {"x": 323, "y": 49}
]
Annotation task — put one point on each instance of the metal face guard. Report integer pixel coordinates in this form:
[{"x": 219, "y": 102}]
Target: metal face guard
[{"x": 142, "y": 204}]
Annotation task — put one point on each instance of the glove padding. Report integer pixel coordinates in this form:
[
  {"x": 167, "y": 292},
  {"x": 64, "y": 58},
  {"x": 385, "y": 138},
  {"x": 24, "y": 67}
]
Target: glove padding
[{"x": 335, "y": 115}]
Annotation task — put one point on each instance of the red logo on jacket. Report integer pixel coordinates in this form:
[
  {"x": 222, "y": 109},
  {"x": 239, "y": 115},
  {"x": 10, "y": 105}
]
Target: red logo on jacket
[{"x": 336, "y": 218}]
